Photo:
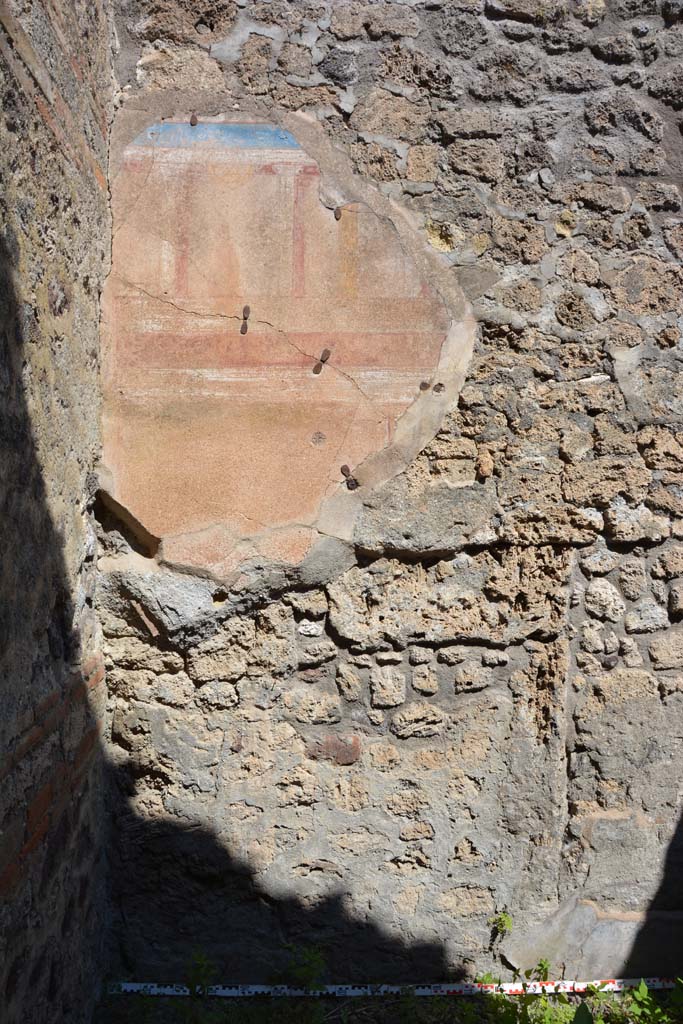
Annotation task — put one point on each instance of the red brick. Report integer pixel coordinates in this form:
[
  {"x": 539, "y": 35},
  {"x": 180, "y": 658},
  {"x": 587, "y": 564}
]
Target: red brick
[
  {"x": 79, "y": 691},
  {"x": 94, "y": 663},
  {"x": 11, "y": 839},
  {"x": 85, "y": 747},
  {"x": 53, "y": 719},
  {"x": 36, "y": 735},
  {"x": 92, "y": 675},
  {"x": 339, "y": 749},
  {"x": 33, "y": 737},
  {"x": 39, "y": 806},
  {"x": 43, "y": 706},
  {"x": 96, "y": 677},
  {"x": 10, "y": 878},
  {"x": 36, "y": 838},
  {"x": 63, "y": 793}
]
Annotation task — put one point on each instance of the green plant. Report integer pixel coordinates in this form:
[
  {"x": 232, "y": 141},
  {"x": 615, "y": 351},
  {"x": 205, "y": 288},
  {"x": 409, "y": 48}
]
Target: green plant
[
  {"x": 644, "y": 1007},
  {"x": 197, "y": 1009},
  {"x": 542, "y": 970},
  {"x": 501, "y": 924},
  {"x": 546, "y": 1007},
  {"x": 600, "y": 1004},
  {"x": 407, "y": 1008},
  {"x": 583, "y": 1015},
  {"x": 640, "y": 1006},
  {"x": 201, "y": 973},
  {"x": 305, "y": 968}
]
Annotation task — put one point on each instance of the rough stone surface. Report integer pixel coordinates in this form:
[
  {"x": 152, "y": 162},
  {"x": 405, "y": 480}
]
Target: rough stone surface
[
  {"x": 478, "y": 710},
  {"x": 469, "y": 700},
  {"x": 56, "y": 89}
]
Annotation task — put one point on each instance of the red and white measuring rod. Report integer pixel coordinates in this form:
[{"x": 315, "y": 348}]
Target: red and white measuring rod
[{"x": 514, "y": 988}]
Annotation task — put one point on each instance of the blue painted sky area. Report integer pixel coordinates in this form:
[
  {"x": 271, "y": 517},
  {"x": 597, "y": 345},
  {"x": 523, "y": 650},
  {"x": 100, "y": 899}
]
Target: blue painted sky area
[{"x": 171, "y": 135}]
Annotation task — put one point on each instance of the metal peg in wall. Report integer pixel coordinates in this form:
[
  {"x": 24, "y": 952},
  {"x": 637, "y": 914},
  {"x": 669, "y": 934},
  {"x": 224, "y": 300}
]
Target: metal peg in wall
[{"x": 350, "y": 481}]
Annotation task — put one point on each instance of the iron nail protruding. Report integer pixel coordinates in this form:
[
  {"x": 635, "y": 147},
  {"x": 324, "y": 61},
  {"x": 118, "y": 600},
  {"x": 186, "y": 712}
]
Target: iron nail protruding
[
  {"x": 424, "y": 385},
  {"x": 244, "y": 327},
  {"x": 352, "y": 483},
  {"x": 337, "y": 213},
  {"x": 193, "y": 120},
  {"x": 344, "y": 470},
  {"x": 317, "y": 368},
  {"x": 245, "y": 313},
  {"x": 325, "y": 355}
]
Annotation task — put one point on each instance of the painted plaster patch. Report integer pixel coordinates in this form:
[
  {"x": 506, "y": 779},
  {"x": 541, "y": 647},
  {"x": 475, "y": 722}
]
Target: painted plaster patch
[{"x": 261, "y": 349}]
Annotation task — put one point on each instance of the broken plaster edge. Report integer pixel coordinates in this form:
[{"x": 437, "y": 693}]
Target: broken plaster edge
[{"x": 333, "y": 529}]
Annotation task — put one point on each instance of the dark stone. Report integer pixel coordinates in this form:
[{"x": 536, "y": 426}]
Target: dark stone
[
  {"x": 14, "y": 974},
  {"x": 672, "y": 10},
  {"x": 461, "y": 34},
  {"x": 339, "y": 66},
  {"x": 668, "y": 86}
]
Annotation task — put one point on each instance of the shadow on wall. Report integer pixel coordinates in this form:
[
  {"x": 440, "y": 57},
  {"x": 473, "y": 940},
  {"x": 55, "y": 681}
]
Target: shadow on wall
[
  {"x": 657, "y": 950},
  {"x": 51, "y": 870},
  {"x": 179, "y": 891},
  {"x": 174, "y": 891}
]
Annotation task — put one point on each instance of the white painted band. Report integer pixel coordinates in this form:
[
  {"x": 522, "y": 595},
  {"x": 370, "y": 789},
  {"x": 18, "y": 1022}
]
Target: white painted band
[{"x": 346, "y": 991}]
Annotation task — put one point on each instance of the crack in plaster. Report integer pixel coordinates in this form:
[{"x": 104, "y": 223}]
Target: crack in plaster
[
  {"x": 339, "y": 508},
  {"x": 265, "y": 323}
]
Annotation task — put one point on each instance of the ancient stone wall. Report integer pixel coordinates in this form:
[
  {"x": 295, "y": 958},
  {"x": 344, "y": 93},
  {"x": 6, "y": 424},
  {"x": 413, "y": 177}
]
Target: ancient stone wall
[
  {"x": 476, "y": 705},
  {"x": 55, "y": 86}
]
